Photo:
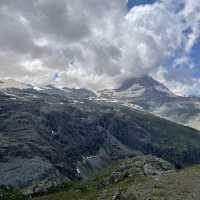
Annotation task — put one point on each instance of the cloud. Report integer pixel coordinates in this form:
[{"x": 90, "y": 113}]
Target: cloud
[
  {"x": 93, "y": 44},
  {"x": 179, "y": 80},
  {"x": 191, "y": 14}
]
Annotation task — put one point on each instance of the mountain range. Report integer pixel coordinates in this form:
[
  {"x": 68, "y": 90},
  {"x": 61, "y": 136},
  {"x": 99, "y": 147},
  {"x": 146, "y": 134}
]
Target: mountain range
[{"x": 51, "y": 135}]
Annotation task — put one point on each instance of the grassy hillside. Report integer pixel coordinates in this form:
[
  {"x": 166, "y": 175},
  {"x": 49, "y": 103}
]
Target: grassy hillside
[
  {"x": 117, "y": 177},
  {"x": 135, "y": 185}
]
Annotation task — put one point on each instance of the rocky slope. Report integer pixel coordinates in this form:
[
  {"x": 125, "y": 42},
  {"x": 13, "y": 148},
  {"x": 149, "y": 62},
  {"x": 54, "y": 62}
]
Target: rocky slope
[
  {"x": 147, "y": 94},
  {"x": 51, "y": 137},
  {"x": 140, "y": 178}
]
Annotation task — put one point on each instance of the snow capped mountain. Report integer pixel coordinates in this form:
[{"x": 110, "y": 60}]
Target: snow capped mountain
[
  {"x": 146, "y": 82},
  {"x": 143, "y": 89},
  {"x": 142, "y": 93},
  {"x": 69, "y": 92},
  {"x": 9, "y": 86},
  {"x": 151, "y": 96}
]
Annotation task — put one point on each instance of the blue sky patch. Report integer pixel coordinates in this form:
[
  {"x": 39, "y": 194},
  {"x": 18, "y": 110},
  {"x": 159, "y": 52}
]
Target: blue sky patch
[{"x": 132, "y": 3}]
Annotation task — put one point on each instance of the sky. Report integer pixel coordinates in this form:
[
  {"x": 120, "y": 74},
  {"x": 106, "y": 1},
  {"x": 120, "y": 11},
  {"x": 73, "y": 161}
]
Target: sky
[{"x": 99, "y": 44}]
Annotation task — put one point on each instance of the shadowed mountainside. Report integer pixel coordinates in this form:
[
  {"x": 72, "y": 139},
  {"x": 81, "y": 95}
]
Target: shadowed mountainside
[{"x": 50, "y": 138}]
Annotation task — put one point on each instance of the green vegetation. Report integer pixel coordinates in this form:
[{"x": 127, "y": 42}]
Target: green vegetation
[
  {"x": 132, "y": 184},
  {"x": 11, "y": 194},
  {"x": 93, "y": 187},
  {"x": 117, "y": 177}
]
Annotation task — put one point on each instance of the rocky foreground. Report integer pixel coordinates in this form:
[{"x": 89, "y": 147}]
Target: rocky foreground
[{"x": 140, "y": 178}]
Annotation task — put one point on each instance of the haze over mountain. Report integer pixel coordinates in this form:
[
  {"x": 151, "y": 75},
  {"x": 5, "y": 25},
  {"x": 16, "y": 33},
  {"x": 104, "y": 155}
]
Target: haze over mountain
[
  {"x": 98, "y": 45},
  {"x": 11, "y": 83},
  {"x": 142, "y": 93}
]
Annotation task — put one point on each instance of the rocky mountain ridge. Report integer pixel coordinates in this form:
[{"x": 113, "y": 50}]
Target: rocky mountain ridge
[
  {"x": 151, "y": 96},
  {"x": 142, "y": 93},
  {"x": 50, "y": 137}
]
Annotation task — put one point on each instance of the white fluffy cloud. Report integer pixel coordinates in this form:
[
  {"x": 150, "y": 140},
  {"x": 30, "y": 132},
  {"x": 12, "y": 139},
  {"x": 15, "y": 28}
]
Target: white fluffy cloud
[
  {"x": 92, "y": 44},
  {"x": 178, "y": 80}
]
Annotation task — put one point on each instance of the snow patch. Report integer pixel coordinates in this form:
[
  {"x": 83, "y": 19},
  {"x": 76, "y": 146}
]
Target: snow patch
[
  {"x": 161, "y": 89},
  {"x": 53, "y": 133},
  {"x": 78, "y": 170},
  {"x": 37, "y": 88}
]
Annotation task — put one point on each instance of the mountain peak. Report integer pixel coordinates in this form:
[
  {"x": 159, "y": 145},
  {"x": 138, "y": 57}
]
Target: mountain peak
[{"x": 146, "y": 82}]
